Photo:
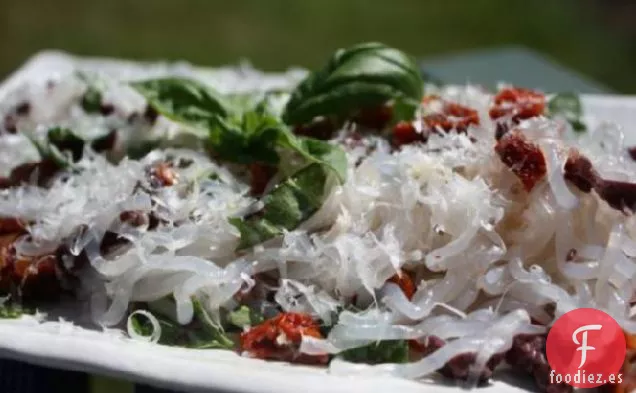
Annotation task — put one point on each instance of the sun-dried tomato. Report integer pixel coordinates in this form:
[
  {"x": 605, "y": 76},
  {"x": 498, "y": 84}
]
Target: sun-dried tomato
[
  {"x": 404, "y": 281},
  {"x": 377, "y": 117},
  {"x": 163, "y": 175},
  {"x": 452, "y": 117},
  {"x": 578, "y": 170},
  {"x": 518, "y": 104},
  {"x": 404, "y": 133},
  {"x": 524, "y": 158},
  {"x": 12, "y": 225},
  {"x": 279, "y": 338},
  {"x": 135, "y": 218},
  {"x": 620, "y": 195},
  {"x": 30, "y": 279},
  {"x": 260, "y": 175}
]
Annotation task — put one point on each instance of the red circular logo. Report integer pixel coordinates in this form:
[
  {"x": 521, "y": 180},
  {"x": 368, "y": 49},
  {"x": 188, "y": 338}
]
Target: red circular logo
[{"x": 585, "y": 348}]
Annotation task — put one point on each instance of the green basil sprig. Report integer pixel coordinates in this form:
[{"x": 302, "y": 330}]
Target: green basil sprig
[
  {"x": 243, "y": 135},
  {"x": 286, "y": 206},
  {"x": 364, "y": 75},
  {"x": 568, "y": 106}
]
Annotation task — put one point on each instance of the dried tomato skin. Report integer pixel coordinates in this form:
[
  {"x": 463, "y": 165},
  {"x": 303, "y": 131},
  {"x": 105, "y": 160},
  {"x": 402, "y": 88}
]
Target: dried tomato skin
[
  {"x": 579, "y": 170},
  {"x": 12, "y": 225},
  {"x": 404, "y": 281},
  {"x": 261, "y": 340},
  {"x": 163, "y": 175},
  {"x": 452, "y": 117},
  {"x": 524, "y": 158},
  {"x": 404, "y": 133},
  {"x": 518, "y": 103}
]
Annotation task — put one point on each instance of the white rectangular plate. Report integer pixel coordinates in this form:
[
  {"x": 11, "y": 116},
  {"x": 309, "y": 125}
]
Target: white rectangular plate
[{"x": 62, "y": 345}]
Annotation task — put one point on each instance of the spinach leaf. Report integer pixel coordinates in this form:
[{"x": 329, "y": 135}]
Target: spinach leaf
[
  {"x": 567, "y": 105},
  {"x": 389, "y": 351},
  {"x": 286, "y": 206},
  {"x": 183, "y": 100},
  {"x": 365, "y": 75},
  {"x": 245, "y": 316}
]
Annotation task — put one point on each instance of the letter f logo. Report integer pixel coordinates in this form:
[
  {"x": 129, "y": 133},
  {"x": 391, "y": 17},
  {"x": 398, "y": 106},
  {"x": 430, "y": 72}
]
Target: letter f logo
[{"x": 583, "y": 344}]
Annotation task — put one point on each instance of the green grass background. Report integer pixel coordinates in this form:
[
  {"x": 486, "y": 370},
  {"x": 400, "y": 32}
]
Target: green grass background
[{"x": 276, "y": 33}]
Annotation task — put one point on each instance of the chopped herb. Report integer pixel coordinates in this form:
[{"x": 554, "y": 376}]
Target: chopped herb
[{"x": 389, "y": 351}]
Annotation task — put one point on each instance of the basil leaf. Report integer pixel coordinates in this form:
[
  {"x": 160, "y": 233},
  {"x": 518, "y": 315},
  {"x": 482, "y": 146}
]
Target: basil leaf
[
  {"x": 389, "y": 351},
  {"x": 183, "y": 100},
  {"x": 568, "y": 106},
  {"x": 258, "y": 135},
  {"x": 286, "y": 206},
  {"x": 210, "y": 336},
  {"x": 365, "y": 75},
  {"x": 245, "y": 317}
]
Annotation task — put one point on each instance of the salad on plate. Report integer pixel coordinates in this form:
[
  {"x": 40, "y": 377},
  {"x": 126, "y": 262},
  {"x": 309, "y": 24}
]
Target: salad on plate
[{"x": 352, "y": 217}]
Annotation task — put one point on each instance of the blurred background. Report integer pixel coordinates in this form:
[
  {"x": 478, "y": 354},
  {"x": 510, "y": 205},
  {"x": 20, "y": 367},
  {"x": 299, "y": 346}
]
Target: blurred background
[{"x": 595, "y": 38}]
